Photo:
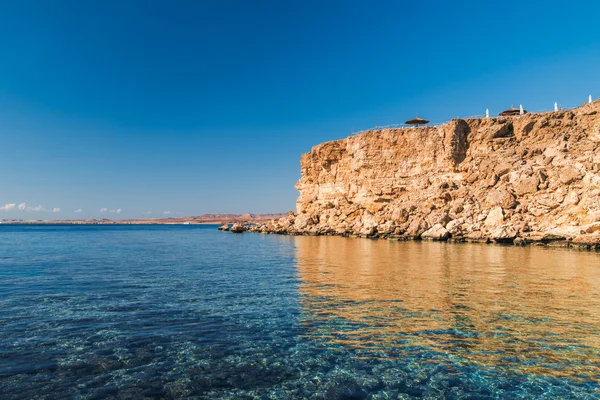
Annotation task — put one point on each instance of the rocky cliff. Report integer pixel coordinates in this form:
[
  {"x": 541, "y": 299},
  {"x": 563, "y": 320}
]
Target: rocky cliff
[{"x": 534, "y": 177}]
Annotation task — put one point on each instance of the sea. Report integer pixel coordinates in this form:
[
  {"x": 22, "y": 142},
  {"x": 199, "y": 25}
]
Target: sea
[{"x": 189, "y": 312}]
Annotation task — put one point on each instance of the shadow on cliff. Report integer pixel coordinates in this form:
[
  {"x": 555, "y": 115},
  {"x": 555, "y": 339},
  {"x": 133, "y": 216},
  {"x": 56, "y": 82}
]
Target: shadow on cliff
[{"x": 459, "y": 141}]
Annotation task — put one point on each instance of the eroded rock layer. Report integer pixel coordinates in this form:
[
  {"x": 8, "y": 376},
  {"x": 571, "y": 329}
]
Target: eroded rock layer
[{"x": 534, "y": 177}]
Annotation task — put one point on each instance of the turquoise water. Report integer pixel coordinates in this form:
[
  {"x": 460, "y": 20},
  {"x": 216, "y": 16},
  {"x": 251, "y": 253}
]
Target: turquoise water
[{"x": 190, "y": 312}]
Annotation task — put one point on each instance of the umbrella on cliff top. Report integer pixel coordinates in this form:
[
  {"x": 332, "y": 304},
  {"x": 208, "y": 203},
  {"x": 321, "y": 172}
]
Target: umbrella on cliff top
[
  {"x": 512, "y": 111},
  {"x": 417, "y": 121}
]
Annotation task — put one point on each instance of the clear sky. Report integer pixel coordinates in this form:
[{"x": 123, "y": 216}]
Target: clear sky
[{"x": 193, "y": 107}]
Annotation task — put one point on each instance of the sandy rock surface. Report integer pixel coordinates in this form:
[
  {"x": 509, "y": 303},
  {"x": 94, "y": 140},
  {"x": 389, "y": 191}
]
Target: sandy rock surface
[{"x": 528, "y": 178}]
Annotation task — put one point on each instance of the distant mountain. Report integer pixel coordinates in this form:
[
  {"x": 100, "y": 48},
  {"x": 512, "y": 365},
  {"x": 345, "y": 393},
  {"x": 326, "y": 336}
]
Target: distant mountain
[{"x": 200, "y": 219}]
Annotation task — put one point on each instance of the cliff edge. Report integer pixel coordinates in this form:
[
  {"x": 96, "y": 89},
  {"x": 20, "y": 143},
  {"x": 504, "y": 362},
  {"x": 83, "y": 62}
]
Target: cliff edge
[{"x": 533, "y": 177}]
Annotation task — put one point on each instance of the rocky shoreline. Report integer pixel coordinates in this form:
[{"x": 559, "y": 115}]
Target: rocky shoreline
[
  {"x": 285, "y": 226},
  {"x": 527, "y": 179}
]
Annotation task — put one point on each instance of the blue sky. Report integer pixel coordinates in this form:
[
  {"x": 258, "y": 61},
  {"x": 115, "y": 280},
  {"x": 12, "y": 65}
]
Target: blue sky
[{"x": 194, "y": 107}]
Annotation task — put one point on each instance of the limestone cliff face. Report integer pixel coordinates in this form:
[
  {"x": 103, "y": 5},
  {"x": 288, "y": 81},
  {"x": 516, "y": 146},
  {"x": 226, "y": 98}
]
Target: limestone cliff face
[{"x": 530, "y": 177}]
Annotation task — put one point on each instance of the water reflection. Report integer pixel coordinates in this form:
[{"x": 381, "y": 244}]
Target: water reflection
[{"x": 520, "y": 310}]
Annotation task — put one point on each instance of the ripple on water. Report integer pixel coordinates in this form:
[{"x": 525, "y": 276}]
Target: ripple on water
[{"x": 190, "y": 312}]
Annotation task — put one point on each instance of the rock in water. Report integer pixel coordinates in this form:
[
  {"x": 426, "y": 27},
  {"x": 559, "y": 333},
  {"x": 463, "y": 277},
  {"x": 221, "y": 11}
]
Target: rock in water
[
  {"x": 238, "y": 228},
  {"x": 436, "y": 232},
  {"x": 224, "y": 227}
]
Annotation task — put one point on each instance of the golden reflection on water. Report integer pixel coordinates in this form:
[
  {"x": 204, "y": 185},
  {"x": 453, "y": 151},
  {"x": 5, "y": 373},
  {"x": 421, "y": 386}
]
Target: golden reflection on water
[{"x": 529, "y": 310}]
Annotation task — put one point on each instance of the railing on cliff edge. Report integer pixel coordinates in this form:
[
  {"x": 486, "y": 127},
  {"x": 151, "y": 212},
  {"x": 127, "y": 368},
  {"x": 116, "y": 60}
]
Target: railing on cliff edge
[{"x": 437, "y": 124}]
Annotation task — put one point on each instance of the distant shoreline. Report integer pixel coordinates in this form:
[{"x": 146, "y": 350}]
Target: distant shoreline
[
  {"x": 206, "y": 219},
  {"x": 104, "y": 223}
]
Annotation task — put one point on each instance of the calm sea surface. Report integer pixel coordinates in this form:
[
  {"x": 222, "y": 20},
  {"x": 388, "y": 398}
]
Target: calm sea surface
[{"x": 91, "y": 312}]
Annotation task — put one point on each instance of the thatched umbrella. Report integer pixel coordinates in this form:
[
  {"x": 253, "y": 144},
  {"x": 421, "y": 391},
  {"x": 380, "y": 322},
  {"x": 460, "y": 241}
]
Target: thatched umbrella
[
  {"x": 417, "y": 121},
  {"x": 512, "y": 111}
]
